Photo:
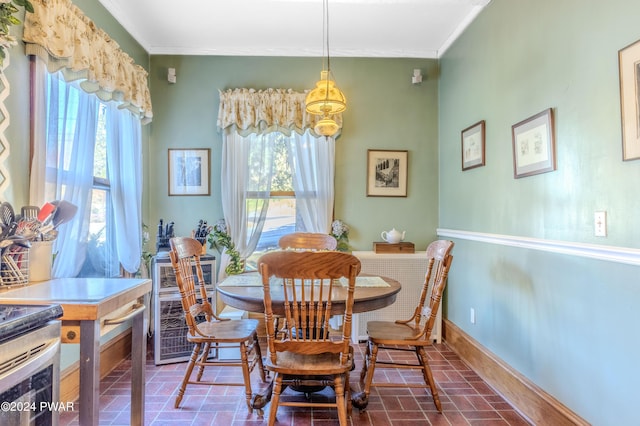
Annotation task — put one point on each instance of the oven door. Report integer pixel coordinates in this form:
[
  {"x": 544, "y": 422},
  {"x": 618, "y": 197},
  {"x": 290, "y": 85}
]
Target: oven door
[{"x": 30, "y": 377}]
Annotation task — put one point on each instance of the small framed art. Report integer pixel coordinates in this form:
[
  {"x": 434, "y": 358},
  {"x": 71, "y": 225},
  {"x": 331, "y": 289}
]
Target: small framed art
[
  {"x": 387, "y": 173},
  {"x": 472, "y": 140},
  {"x": 189, "y": 171},
  {"x": 629, "y": 67},
  {"x": 534, "y": 145}
]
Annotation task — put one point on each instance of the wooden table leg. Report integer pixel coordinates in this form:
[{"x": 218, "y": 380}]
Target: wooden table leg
[
  {"x": 89, "y": 372},
  {"x": 138, "y": 362}
]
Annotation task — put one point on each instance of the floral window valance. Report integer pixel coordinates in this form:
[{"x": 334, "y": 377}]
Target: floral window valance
[
  {"x": 249, "y": 111},
  {"x": 59, "y": 33}
]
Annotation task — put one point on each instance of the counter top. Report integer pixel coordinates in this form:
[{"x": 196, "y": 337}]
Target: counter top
[
  {"x": 86, "y": 302},
  {"x": 81, "y": 298}
]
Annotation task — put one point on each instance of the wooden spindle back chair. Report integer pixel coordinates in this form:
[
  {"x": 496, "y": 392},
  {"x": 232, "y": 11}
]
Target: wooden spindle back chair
[
  {"x": 306, "y": 353},
  {"x": 206, "y": 330},
  {"x": 413, "y": 334}
]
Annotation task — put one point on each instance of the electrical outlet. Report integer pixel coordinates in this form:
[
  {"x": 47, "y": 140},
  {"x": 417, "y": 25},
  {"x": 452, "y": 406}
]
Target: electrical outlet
[
  {"x": 600, "y": 224},
  {"x": 472, "y": 316}
]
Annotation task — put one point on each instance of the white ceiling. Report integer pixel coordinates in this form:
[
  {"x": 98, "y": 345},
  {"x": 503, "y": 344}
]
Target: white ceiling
[{"x": 357, "y": 28}]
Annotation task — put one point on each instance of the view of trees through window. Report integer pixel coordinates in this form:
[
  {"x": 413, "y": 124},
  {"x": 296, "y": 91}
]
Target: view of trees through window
[
  {"x": 101, "y": 260},
  {"x": 281, "y": 212}
]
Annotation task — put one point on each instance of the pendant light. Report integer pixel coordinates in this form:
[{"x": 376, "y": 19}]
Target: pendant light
[{"x": 326, "y": 98}]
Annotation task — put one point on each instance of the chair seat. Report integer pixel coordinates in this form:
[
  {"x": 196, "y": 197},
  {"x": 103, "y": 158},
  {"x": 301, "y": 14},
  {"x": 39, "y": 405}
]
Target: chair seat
[
  {"x": 298, "y": 364},
  {"x": 390, "y": 333},
  {"x": 233, "y": 331}
]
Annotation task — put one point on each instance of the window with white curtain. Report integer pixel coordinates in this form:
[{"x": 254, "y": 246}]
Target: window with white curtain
[
  {"x": 281, "y": 217},
  {"x": 277, "y": 175},
  {"x": 273, "y": 184},
  {"x": 88, "y": 152}
]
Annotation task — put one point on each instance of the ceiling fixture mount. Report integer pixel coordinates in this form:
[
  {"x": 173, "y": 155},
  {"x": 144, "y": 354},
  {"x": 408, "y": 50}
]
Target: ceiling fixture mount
[{"x": 326, "y": 98}]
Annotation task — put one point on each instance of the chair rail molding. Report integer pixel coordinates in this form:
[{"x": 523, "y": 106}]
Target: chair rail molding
[
  {"x": 630, "y": 256},
  {"x": 4, "y": 124}
]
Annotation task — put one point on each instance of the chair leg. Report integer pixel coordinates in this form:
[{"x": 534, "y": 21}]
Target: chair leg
[
  {"x": 363, "y": 373},
  {"x": 428, "y": 376},
  {"x": 275, "y": 398},
  {"x": 347, "y": 395},
  {"x": 205, "y": 355},
  {"x": 373, "y": 355},
  {"x": 246, "y": 375},
  {"x": 340, "y": 399},
  {"x": 192, "y": 362},
  {"x": 258, "y": 354}
]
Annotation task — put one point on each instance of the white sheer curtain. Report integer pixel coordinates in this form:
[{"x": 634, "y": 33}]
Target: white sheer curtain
[
  {"x": 65, "y": 122},
  {"x": 246, "y": 166},
  {"x": 124, "y": 157},
  {"x": 62, "y": 167},
  {"x": 312, "y": 163}
]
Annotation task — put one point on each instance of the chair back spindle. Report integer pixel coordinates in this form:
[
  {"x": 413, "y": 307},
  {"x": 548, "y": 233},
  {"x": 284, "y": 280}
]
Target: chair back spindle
[{"x": 308, "y": 279}]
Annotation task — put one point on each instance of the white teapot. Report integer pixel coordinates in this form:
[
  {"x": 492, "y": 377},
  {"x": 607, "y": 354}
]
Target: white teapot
[{"x": 392, "y": 236}]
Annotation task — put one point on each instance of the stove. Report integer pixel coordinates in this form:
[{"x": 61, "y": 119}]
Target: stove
[
  {"x": 29, "y": 364},
  {"x": 16, "y": 320}
]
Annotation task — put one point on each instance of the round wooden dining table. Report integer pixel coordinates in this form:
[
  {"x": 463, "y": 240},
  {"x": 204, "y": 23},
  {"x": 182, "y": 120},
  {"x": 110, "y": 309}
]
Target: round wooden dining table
[{"x": 247, "y": 294}]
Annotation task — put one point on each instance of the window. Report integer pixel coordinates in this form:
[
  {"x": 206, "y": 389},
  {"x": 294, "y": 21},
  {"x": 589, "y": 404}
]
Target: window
[
  {"x": 281, "y": 214},
  {"x": 87, "y": 152},
  {"x": 101, "y": 259},
  {"x": 287, "y": 185},
  {"x": 277, "y": 162}
]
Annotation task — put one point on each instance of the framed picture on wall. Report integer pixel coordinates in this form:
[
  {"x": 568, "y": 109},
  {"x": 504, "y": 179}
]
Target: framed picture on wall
[
  {"x": 472, "y": 140},
  {"x": 534, "y": 145},
  {"x": 189, "y": 171},
  {"x": 386, "y": 173},
  {"x": 629, "y": 68}
]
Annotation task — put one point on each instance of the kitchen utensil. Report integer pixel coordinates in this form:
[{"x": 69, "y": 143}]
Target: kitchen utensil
[
  {"x": 29, "y": 212},
  {"x": 46, "y": 211},
  {"x": 9, "y": 230},
  {"x": 15, "y": 240},
  {"x": 28, "y": 228},
  {"x": 6, "y": 213},
  {"x": 65, "y": 211}
]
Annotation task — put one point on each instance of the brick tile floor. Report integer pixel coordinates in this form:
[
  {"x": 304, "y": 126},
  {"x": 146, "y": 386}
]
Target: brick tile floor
[{"x": 466, "y": 399}]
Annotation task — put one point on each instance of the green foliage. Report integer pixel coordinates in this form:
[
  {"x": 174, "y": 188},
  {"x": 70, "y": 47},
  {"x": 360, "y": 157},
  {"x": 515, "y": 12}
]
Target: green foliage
[
  {"x": 146, "y": 255},
  {"x": 7, "y": 20},
  {"x": 26, "y": 4},
  {"x": 280, "y": 177},
  {"x": 221, "y": 240}
]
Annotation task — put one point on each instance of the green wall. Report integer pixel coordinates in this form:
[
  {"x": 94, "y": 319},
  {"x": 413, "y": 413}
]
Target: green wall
[
  {"x": 385, "y": 111},
  {"x": 565, "y": 322}
]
